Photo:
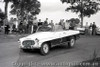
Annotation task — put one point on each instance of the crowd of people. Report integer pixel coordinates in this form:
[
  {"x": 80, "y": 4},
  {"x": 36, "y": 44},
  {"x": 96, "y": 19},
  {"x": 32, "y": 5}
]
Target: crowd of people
[
  {"x": 90, "y": 29},
  {"x": 31, "y": 26},
  {"x": 26, "y": 27}
]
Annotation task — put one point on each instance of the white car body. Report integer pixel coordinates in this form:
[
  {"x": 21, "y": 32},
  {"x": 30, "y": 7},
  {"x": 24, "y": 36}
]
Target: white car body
[
  {"x": 82, "y": 30},
  {"x": 98, "y": 30},
  {"x": 53, "y": 37},
  {"x": 47, "y": 36}
]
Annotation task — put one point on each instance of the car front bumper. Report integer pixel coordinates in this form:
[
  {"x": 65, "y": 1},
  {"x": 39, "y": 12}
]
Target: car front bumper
[
  {"x": 29, "y": 47},
  {"x": 35, "y": 46}
]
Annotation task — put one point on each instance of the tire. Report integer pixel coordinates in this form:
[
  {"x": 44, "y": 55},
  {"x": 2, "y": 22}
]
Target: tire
[
  {"x": 72, "y": 42},
  {"x": 45, "y": 48}
]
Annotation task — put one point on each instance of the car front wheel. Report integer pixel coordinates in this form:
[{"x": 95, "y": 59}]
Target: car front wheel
[
  {"x": 71, "y": 43},
  {"x": 44, "y": 49}
]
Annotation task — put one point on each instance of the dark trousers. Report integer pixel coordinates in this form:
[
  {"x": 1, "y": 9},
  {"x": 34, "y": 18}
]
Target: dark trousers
[
  {"x": 6, "y": 31},
  {"x": 94, "y": 32}
]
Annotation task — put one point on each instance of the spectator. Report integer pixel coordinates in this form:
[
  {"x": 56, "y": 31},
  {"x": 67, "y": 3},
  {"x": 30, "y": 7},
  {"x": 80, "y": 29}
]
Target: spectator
[
  {"x": 67, "y": 24},
  {"x": 7, "y": 29},
  {"x": 72, "y": 25},
  {"x": 86, "y": 29},
  {"x": 32, "y": 28},
  {"x": 14, "y": 28},
  {"x": 35, "y": 21},
  {"x": 35, "y": 28},
  {"x": 62, "y": 23},
  {"x": 27, "y": 28},
  {"x": 51, "y": 23},
  {"x": 90, "y": 29},
  {"x": 93, "y": 29},
  {"x": 40, "y": 23},
  {"x": 20, "y": 28},
  {"x": 30, "y": 23},
  {"x": 46, "y": 21},
  {"x": 24, "y": 24}
]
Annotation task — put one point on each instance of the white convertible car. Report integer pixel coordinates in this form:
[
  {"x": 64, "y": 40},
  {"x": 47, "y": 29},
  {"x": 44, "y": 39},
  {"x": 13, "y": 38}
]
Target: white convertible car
[{"x": 47, "y": 37}]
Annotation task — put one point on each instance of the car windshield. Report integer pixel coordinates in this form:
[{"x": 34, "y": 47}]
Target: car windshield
[
  {"x": 58, "y": 28},
  {"x": 44, "y": 28},
  {"x": 50, "y": 28}
]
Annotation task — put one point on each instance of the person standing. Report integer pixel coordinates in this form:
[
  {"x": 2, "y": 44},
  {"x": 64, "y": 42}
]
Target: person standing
[
  {"x": 62, "y": 23},
  {"x": 32, "y": 29},
  {"x": 40, "y": 23},
  {"x": 93, "y": 29},
  {"x": 86, "y": 28},
  {"x": 90, "y": 29},
  {"x": 52, "y": 24},
  {"x": 67, "y": 24},
  {"x": 72, "y": 25},
  {"x": 46, "y": 22},
  {"x": 35, "y": 28},
  {"x": 14, "y": 28},
  {"x": 20, "y": 28},
  {"x": 7, "y": 29}
]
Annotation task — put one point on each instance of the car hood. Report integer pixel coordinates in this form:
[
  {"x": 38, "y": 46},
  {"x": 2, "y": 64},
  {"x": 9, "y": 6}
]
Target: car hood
[{"x": 39, "y": 35}]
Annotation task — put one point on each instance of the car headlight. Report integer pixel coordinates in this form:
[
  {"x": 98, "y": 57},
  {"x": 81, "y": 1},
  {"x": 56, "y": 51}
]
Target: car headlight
[{"x": 37, "y": 40}]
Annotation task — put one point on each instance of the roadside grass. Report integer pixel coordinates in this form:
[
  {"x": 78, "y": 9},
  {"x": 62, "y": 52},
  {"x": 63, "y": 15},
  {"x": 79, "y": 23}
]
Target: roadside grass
[
  {"x": 93, "y": 62},
  {"x": 89, "y": 63},
  {"x": 11, "y": 37}
]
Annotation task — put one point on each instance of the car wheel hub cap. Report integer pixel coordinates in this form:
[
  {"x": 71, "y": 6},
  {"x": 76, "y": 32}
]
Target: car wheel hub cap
[
  {"x": 72, "y": 42},
  {"x": 45, "y": 48}
]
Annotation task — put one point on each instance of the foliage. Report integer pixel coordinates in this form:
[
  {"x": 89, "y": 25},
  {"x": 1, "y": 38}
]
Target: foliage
[
  {"x": 74, "y": 21},
  {"x": 82, "y": 7},
  {"x": 25, "y": 8},
  {"x": 6, "y": 6},
  {"x": 2, "y": 16}
]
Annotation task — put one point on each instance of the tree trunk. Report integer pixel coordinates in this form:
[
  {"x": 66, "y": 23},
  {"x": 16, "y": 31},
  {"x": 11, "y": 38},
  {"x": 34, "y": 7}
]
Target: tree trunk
[
  {"x": 82, "y": 21},
  {"x": 6, "y": 9},
  {"x": 82, "y": 6}
]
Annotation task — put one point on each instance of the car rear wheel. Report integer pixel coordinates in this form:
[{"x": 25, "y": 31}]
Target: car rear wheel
[
  {"x": 44, "y": 49},
  {"x": 72, "y": 42}
]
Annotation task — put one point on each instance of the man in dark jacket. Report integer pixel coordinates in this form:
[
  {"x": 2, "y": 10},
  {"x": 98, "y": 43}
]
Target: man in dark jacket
[
  {"x": 40, "y": 23},
  {"x": 46, "y": 22},
  {"x": 93, "y": 29},
  {"x": 7, "y": 29}
]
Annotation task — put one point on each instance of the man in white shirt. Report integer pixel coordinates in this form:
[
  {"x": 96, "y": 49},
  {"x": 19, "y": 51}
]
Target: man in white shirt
[{"x": 67, "y": 24}]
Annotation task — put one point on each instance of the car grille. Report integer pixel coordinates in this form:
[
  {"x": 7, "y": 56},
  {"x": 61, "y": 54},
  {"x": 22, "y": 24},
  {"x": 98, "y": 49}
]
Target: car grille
[{"x": 28, "y": 43}]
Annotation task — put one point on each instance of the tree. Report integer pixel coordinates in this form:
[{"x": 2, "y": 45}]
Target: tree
[
  {"x": 6, "y": 6},
  {"x": 2, "y": 16},
  {"x": 25, "y": 8},
  {"x": 74, "y": 21},
  {"x": 82, "y": 7}
]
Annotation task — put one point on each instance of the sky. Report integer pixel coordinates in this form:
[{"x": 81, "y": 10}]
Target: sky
[{"x": 55, "y": 10}]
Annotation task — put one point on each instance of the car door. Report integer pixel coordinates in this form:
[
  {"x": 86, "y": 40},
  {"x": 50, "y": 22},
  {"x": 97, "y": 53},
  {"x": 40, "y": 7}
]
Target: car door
[{"x": 57, "y": 39}]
